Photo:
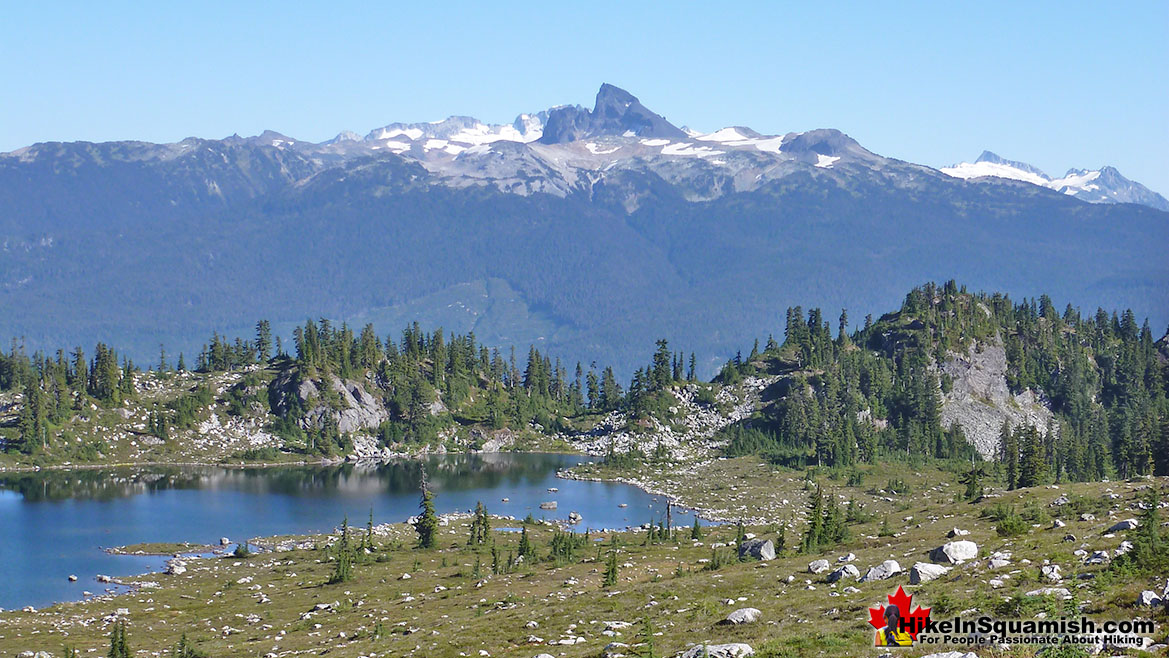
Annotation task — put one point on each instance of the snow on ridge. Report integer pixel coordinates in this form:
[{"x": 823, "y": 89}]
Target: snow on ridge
[
  {"x": 1076, "y": 181},
  {"x": 690, "y": 149},
  {"x": 597, "y": 149},
  {"x": 769, "y": 144},
  {"x": 724, "y": 135},
  {"x": 731, "y": 136},
  {"x": 968, "y": 170},
  {"x": 408, "y": 133},
  {"x": 455, "y": 134},
  {"x": 826, "y": 161},
  {"x": 655, "y": 142}
]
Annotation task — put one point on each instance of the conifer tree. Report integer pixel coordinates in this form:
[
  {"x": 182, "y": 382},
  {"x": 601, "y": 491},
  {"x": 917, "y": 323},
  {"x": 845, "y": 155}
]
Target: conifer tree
[
  {"x": 611, "y": 570},
  {"x": 426, "y": 524}
]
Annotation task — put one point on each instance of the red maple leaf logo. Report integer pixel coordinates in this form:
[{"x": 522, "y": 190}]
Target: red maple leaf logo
[{"x": 912, "y": 622}]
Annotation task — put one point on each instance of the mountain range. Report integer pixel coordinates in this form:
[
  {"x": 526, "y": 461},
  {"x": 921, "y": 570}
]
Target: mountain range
[
  {"x": 591, "y": 232},
  {"x": 1103, "y": 185}
]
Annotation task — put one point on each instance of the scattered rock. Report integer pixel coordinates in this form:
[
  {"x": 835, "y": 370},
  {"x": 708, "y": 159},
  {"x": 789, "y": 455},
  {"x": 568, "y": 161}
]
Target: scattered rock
[
  {"x": 1127, "y": 524},
  {"x": 955, "y": 552},
  {"x": 818, "y": 566},
  {"x": 1057, "y": 524},
  {"x": 1099, "y": 557},
  {"x": 760, "y": 549},
  {"x": 923, "y": 572},
  {"x": 1148, "y": 598},
  {"x": 734, "y": 650},
  {"x": 846, "y": 571},
  {"x": 574, "y": 518},
  {"x": 957, "y": 532},
  {"x": 1060, "y": 592},
  {"x": 1051, "y": 573},
  {"x": 742, "y": 616},
  {"x": 882, "y": 571},
  {"x": 176, "y": 567}
]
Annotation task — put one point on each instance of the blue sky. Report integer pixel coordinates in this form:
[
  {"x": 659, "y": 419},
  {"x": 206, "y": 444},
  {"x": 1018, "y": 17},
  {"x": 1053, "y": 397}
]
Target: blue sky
[{"x": 1054, "y": 84}]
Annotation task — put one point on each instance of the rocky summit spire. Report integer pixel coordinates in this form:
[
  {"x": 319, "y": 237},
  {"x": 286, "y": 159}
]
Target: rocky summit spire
[{"x": 615, "y": 113}]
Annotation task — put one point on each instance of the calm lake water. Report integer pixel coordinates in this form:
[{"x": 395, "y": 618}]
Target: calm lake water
[{"x": 53, "y": 524}]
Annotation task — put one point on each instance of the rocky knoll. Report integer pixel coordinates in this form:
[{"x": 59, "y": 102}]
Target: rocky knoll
[
  {"x": 980, "y": 400},
  {"x": 353, "y": 407}
]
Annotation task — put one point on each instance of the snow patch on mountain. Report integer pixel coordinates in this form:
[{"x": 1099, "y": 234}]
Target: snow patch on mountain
[
  {"x": 1104, "y": 185},
  {"x": 1076, "y": 181},
  {"x": 984, "y": 169}
]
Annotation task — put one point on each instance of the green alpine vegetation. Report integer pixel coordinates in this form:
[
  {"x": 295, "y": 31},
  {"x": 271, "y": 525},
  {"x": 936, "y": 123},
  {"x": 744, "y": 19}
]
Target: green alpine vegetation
[{"x": 878, "y": 393}]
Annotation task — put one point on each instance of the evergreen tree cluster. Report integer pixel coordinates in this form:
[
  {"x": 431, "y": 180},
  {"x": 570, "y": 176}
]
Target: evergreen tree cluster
[
  {"x": 54, "y": 388},
  {"x": 878, "y": 392}
]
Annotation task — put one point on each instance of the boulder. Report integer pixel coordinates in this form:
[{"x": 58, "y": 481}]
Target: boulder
[
  {"x": 1148, "y": 598},
  {"x": 1057, "y": 524},
  {"x": 818, "y": 566},
  {"x": 923, "y": 572},
  {"x": 733, "y": 650},
  {"x": 1127, "y": 524},
  {"x": 550, "y": 505},
  {"x": 614, "y": 650},
  {"x": 574, "y": 518},
  {"x": 1099, "y": 557},
  {"x": 955, "y": 552},
  {"x": 760, "y": 549},
  {"x": 846, "y": 558},
  {"x": 176, "y": 567},
  {"x": 957, "y": 532},
  {"x": 882, "y": 571},
  {"x": 1051, "y": 572},
  {"x": 224, "y": 541},
  {"x": 742, "y": 616},
  {"x": 846, "y": 571},
  {"x": 1059, "y": 592}
]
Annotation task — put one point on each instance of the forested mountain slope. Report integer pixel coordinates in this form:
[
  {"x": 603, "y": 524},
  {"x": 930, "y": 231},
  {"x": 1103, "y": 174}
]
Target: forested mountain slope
[
  {"x": 952, "y": 375},
  {"x": 590, "y": 243}
]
